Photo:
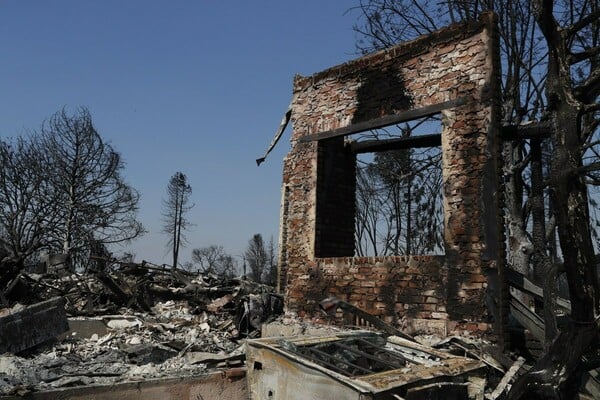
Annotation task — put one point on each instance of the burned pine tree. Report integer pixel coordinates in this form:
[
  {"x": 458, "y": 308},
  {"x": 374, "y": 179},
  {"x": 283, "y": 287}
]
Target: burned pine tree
[
  {"x": 175, "y": 208},
  {"x": 257, "y": 259}
]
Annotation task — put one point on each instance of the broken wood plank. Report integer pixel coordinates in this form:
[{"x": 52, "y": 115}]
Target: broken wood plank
[
  {"x": 387, "y": 120},
  {"x": 512, "y": 371},
  {"x": 121, "y": 296},
  {"x": 473, "y": 352},
  {"x": 521, "y": 282},
  {"x": 527, "y": 318},
  {"x": 32, "y": 325},
  {"x": 331, "y": 304}
]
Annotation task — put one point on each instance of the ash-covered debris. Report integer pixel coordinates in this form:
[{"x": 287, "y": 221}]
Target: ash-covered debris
[
  {"x": 132, "y": 285},
  {"x": 134, "y": 322}
]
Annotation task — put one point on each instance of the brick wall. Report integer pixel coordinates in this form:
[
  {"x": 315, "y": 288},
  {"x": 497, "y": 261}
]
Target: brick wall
[{"x": 459, "y": 62}]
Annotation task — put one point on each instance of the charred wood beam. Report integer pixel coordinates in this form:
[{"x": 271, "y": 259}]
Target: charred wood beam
[
  {"x": 412, "y": 142},
  {"x": 123, "y": 294},
  {"x": 539, "y": 130},
  {"x": 510, "y": 132},
  {"x": 520, "y": 282},
  {"x": 120, "y": 295},
  {"x": 506, "y": 379},
  {"x": 381, "y": 122},
  {"x": 527, "y": 318}
]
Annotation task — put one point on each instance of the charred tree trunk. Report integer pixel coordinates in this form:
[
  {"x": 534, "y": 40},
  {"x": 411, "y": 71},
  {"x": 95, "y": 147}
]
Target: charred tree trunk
[
  {"x": 520, "y": 247},
  {"x": 544, "y": 274},
  {"x": 556, "y": 375}
]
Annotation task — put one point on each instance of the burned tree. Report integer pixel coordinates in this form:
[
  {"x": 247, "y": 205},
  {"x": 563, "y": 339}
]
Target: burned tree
[
  {"x": 28, "y": 203},
  {"x": 571, "y": 99},
  {"x": 96, "y": 206},
  {"x": 62, "y": 191},
  {"x": 175, "y": 208},
  {"x": 214, "y": 260},
  {"x": 257, "y": 259}
]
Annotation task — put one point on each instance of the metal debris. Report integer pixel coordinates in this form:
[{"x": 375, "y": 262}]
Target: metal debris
[{"x": 355, "y": 366}]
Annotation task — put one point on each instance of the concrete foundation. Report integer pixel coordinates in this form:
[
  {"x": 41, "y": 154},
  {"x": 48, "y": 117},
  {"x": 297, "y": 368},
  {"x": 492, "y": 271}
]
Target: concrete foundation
[{"x": 227, "y": 385}]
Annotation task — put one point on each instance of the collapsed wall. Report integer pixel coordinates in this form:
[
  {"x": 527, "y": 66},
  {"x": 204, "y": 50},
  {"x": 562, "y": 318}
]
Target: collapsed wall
[{"x": 455, "y": 72}]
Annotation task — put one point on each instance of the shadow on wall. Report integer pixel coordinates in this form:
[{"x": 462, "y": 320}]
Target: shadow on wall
[{"x": 382, "y": 92}]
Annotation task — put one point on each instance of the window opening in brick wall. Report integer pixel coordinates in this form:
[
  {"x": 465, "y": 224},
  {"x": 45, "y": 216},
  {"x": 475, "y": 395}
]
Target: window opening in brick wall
[{"x": 399, "y": 204}]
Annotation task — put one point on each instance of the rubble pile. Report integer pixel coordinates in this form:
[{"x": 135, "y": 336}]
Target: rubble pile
[
  {"x": 134, "y": 322},
  {"x": 132, "y": 285},
  {"x": 169, "y": 341},
  {"x": 139, "y": 322}
]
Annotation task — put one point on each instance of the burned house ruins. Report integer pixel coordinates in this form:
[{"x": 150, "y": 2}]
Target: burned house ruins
[
  {"x": 144, "y": 331},
  {"x": 453, "y": 72}
]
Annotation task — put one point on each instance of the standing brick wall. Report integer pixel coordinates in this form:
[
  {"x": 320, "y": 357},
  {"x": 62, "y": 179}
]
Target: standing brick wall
[{"x": 459, "y": 62}]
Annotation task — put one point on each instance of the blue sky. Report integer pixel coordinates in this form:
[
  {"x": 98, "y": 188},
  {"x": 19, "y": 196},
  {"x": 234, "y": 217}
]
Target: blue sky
[{"x": 191, "y": 86}]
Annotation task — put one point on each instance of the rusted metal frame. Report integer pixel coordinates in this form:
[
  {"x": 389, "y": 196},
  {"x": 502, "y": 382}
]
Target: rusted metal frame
[
  {"x": 417, "y": 350},
  {"x": 292, "y": 354},
  {"x": 387, "y": 120},
  {"x": 308, "y": 351},
  {"x": 476, "y": 353},
  {"x": 341, "y": 361},
  {"x": 319, "y": 361},
  {"x": 411, "y": 142}
]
